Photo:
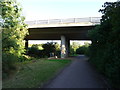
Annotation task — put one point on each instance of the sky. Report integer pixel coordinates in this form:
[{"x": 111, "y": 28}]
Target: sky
[{"x": 60, "y": 9}]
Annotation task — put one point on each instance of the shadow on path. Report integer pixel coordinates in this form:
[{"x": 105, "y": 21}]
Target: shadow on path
[{"x": 79, "y": 74}]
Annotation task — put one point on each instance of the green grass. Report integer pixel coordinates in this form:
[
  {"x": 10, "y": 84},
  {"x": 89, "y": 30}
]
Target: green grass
[{"x": 35, "y": 74}]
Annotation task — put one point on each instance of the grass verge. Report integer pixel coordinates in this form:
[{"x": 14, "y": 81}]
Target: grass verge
[{"x": 35, "y": 74}]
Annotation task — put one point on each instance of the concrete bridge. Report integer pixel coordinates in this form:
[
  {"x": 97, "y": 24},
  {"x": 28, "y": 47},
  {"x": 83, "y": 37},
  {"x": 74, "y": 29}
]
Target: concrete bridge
[{"x": 61, "y": 29}]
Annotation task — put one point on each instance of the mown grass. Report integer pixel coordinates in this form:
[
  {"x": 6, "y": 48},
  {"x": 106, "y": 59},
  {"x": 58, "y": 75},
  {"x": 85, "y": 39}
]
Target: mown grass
[{"x": 35, "y": 74}]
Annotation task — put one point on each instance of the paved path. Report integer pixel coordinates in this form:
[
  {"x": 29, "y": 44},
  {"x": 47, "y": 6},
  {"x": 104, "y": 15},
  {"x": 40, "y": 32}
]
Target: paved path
[{"x": 79, "y": 74}]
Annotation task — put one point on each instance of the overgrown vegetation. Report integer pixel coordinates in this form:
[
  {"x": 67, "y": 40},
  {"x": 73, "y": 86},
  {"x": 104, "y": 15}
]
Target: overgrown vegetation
[
  {"x": 105, "y": 48},
  {"x": 13, "y": 32},
  {"x": 35, "y": 73},
  {"x": 48, "y": 49}
]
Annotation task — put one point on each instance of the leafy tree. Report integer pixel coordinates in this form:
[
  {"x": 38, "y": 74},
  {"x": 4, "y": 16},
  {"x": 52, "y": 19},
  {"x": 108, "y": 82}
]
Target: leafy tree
[
  {"x": 13, "y": 32},
  {"x": 106, "y": 43},
  {"x": 49, "y": 48},
  {"x": 14, "y": 28},
  {"x": 74, "y": 47},
  {"x": 72, "y": 51}
]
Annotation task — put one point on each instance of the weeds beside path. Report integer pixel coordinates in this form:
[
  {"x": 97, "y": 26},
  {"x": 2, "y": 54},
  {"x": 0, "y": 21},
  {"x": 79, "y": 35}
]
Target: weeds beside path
[{"x": 35, "y": 74}]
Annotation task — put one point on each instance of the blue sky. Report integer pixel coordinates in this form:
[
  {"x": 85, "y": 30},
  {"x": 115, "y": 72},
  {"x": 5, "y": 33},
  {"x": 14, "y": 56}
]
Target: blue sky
[{"x": 58, "y": 9}]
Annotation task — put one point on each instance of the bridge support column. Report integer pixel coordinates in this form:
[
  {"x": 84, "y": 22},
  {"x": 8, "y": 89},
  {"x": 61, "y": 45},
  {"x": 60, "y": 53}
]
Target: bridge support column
[
  {"x": 26, "y": 44},
  {"x": 64, "y": 47},
  {"x": 68, "y": 47}
]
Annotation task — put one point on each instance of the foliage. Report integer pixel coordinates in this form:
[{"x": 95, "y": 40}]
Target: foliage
[
  {"x": 76, "y": 49},
  {"x": 14, "y": 28},
  {"x": 72, "y": 51},
  {"x": 49, "y": 48},
  {"x": 13, "y": 32},
  {"x": 25, "y": 58},
  {"x": 38, "y": 46},
  {"x": 34, "y": 51},
  {"x": 84, "y": 49},
  {"x": 45, "y": 52},
  {"x": 73, "y": 47},
  {"x": 104, "y": 51}
]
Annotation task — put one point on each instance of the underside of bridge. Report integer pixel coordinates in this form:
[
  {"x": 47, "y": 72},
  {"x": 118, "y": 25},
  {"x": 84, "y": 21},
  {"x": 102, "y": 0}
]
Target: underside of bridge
[{"x": 65, "y": 34}]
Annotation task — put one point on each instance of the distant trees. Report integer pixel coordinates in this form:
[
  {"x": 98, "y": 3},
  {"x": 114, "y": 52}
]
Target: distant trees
[
  {"x": 48, "y": 49},
  {"x": 73, "y": 48},
  {"x": 105, "y": 48},
  {"x": 76, "y": 48},
  {"x": 84, "y": 49},
  {"x": 13, "y": 32}
]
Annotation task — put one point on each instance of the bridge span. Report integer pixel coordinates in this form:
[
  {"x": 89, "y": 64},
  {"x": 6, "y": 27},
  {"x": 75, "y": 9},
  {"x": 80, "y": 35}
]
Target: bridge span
[{"x": 61, "y": 29}]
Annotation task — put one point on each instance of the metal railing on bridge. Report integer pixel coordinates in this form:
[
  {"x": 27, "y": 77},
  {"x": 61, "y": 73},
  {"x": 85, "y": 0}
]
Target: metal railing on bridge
[{"x": 94, "y": 20}]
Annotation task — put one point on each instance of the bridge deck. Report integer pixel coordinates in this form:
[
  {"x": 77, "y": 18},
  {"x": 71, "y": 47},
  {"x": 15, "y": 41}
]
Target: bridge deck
[{"x": 72, "y": 28}]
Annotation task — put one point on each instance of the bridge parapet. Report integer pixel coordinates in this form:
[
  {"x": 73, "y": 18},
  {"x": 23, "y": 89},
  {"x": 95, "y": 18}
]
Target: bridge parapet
[{"x": 92, "y": 20}]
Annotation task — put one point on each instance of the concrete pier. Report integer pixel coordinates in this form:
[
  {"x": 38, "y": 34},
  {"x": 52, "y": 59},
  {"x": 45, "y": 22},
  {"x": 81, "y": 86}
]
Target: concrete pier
[{"x": 64, "y": 46}]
